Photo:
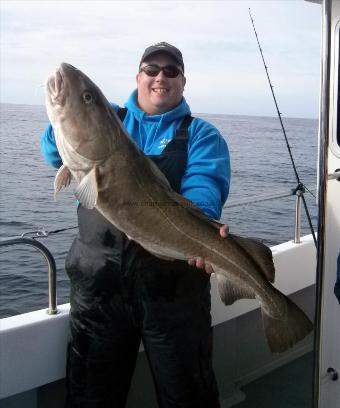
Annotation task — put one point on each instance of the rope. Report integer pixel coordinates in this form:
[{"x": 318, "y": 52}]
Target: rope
[
  {"x": 39, "y": 233},
  {"x": 42, "y": 233},
  {"x": 256, "y": 199},
  {"x": 61, "y": 230}
]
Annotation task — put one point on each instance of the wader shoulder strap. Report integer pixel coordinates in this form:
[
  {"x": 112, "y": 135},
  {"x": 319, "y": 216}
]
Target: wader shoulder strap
[
  {"x": 122, "y": 113},
  {"x": 182, "y": 131}
]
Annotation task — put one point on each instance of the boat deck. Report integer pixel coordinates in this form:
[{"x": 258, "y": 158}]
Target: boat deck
[
  {"x": 241, "y": 354},
  {"x": 289, "y": 386}
]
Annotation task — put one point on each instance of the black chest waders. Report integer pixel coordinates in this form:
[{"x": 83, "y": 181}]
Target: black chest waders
[{"x": 120, "y": 295}]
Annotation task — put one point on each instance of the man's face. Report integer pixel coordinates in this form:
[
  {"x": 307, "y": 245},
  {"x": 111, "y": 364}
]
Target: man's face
[{"x": 159, "y": 94}]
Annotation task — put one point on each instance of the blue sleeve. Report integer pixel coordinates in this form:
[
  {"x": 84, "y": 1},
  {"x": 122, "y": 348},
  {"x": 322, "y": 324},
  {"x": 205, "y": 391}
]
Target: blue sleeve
[
  {"x": 48, "y": 145},
  {"x": 207, "y": 178},
  {"x": 49, "y": 148}
]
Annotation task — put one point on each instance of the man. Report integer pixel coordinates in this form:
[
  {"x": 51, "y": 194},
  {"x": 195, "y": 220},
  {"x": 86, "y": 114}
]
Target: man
[{"x": 120, "y": 293}]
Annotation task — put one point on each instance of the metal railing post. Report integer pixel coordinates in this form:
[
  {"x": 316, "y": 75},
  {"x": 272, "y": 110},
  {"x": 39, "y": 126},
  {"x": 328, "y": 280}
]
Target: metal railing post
[
  {"x": 52, "y": 270},
  {"x": 297, "y": 234}
]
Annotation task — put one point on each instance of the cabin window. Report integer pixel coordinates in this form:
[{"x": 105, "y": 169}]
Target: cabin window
[
  {"x": 337, "y": 99},
  {"x": 337, "y": 87}
]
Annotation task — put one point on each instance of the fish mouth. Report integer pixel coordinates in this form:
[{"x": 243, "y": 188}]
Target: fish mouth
[
  {"x": 55, "y": 84},
  {"x": 55, "y": 87}
]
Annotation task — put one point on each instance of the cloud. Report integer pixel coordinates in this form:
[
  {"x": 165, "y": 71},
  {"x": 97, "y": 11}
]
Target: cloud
[{"x": 106, "y": 40}]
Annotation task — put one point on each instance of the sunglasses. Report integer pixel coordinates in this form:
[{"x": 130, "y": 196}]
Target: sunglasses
[{"x": 170, "y": 71}]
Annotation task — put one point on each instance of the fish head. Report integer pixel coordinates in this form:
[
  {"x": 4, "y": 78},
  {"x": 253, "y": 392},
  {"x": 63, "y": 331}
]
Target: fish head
[{"x": 82, "y": 118}]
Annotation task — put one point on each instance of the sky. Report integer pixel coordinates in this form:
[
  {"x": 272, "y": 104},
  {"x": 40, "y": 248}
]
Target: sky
[{"x": 223, "y": 65}]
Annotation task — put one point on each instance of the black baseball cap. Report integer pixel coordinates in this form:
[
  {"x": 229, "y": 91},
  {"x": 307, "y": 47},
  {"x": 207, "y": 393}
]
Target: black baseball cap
[{"x": 163, "y": 47}]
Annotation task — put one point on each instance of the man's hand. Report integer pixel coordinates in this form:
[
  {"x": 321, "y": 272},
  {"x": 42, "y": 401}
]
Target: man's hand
[{"x": 199, "y": 261}]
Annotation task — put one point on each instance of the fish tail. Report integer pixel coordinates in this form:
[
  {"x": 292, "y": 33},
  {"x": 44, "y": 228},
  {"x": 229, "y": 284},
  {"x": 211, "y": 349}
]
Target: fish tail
[{"x": 283, "y": 333}]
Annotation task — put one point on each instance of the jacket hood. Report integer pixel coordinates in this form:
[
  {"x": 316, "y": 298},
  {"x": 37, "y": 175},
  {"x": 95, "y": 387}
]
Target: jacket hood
[{"x": 178, "y": 112}]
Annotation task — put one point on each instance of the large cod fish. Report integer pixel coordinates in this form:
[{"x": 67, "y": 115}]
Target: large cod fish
[{"x": 127, "y": 188}]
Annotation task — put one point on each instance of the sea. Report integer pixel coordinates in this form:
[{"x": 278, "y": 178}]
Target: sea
[{"x": 261, "y": 168}]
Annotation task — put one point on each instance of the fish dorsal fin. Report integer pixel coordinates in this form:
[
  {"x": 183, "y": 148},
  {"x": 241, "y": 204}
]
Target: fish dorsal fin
[
  {"x": 87, "y": 190},
  {"x": 191, "y": 207},
  {"x": 261, "y": 254},
  {"x": 62, "y": 179}
]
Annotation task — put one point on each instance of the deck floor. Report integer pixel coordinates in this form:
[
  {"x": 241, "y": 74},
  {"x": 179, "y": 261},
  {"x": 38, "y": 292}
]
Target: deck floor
[{"x": 287, "y": 387}]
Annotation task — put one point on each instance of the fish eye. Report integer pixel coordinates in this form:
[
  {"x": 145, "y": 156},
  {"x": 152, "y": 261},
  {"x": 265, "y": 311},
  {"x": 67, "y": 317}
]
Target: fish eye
[{"x": 88, "y": 97}]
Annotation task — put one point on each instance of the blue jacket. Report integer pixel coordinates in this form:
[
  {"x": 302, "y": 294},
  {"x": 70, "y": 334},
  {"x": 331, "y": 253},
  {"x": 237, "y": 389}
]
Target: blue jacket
[{"x": 207, "y": 177}]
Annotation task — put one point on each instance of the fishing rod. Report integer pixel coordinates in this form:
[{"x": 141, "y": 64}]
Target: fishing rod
[{"x": 300, "y": 189}]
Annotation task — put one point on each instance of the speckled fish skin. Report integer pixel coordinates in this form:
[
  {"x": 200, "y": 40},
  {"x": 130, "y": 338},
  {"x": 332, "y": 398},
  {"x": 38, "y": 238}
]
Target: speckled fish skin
[{"x": 124, "y": 185}]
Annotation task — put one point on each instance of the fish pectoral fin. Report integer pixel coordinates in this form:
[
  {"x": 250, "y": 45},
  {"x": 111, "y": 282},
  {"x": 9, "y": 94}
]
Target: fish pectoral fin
[
  {"x": 229, "y": 291},
  {"x": 260, "y": 253},
  {"x": 62, "y": 179},
  {"x": 87, "y": 190}
]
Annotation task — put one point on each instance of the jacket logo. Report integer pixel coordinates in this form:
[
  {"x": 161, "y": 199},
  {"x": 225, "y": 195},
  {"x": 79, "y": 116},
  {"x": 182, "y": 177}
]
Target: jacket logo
[{"x": 163, "y": 143}]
